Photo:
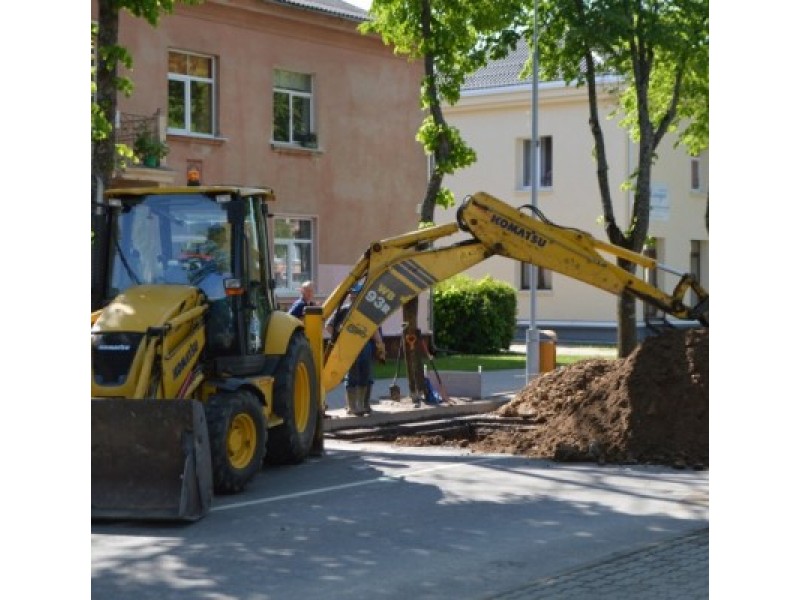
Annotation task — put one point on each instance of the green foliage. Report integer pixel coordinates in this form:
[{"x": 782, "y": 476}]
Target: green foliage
[
  {"x": 455, "y": 37},
  {"x": 457, "y": 362},
  {"x": 148, "y": 145},
  {"x": 152, "y": 10},
  {"x": 445, "y": 198},
  {"x": 690, "y": 123},
  {"x": 693, "y": 109},
  {"x": 459, "y": 156},
  {"x": 463, "y": 34},
  {"x": 474, "y": 316},
  {"x": 101, "y": 127},
  {"x": 489, "y": 362},
  {"x": 111, "y": 55},
  {"x": 658, "y": 48}
]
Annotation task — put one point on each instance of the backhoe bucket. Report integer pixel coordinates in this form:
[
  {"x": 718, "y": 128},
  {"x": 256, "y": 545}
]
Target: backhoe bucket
[{"x": 150, "y": 460}]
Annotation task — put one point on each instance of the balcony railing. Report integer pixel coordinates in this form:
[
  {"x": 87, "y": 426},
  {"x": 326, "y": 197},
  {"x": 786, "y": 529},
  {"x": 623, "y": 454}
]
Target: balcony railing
[{"x": 129, "y": 126}]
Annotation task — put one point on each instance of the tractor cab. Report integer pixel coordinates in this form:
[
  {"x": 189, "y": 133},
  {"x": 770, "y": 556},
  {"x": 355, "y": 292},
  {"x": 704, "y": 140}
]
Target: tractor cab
[{"x": 210, "y": 238}]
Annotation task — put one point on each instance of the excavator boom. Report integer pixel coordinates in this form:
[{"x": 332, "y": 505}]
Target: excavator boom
[
  {"x": 397, "y": 269},
  {"x": 574, "y": 253}
]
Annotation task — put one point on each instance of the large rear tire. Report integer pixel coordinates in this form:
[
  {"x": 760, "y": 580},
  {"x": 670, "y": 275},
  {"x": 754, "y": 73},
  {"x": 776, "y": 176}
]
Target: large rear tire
[
  {"x": 237, "y": 438},
  {"x": 297, "y": 393}
]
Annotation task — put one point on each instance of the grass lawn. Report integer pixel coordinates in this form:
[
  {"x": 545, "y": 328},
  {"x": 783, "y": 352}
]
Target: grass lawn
[{"x": 496, "y": 362}]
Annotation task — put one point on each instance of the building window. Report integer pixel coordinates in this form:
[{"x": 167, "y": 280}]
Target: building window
[
  {"x": 292, "y": 102},
  {"x": 544, "y": 278},
  {"x": 294, "y": 249},
  {"x": 191, "y": 93},
  {"x": 695, "y": 174},
  {"x": 545, "y": 164}
]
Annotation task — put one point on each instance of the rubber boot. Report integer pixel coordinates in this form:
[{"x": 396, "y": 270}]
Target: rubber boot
[
  {"x": 352, "y": 400},
  {"x": 367, "y": 398},
  {"x": 361, "y": 399}
]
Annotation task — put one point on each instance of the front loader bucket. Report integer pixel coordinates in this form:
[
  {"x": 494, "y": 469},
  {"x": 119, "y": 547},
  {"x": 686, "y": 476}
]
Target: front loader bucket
[{"x": 150, "y": 460}]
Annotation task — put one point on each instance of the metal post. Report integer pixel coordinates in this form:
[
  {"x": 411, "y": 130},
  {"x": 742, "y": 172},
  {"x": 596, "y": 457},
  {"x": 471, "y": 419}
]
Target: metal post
[{"x": 532, "y": 359}]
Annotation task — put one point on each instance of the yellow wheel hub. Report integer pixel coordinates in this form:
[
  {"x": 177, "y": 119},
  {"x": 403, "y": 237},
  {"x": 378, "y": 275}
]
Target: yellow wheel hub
[{"x": 242, "y": 438}]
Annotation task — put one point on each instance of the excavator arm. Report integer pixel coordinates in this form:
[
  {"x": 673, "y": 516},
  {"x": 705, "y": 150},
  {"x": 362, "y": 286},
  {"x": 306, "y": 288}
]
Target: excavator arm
[
  {"x": 397, "y": 269},
  {"x": 574, "y": 253}
]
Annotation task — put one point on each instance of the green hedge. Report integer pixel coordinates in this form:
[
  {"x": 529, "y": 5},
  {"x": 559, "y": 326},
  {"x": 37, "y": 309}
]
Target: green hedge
[{"x": 474, "y": 316}]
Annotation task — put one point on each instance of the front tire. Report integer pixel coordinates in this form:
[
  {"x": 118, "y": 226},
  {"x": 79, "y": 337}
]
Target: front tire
[
  {"x": 237, "y": 437},
  {"x": 297, "y": 395}
]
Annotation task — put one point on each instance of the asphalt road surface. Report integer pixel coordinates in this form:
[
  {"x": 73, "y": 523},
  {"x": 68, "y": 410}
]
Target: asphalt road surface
[{"x": 384, "y": 522}]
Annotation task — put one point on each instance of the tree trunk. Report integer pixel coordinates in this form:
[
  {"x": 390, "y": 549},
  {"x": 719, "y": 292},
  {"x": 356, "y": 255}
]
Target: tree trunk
[
  {"x": 626, "y": 303},
  {"x": 411, "y": 339},
  {"x": 627, "y": 336},
  {"x": 103, "y": 150},
  {"x": 414, "y": 365},
  {"x": 99, "y": 257}
]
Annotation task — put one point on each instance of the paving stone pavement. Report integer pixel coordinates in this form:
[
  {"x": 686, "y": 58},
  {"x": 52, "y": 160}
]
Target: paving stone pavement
[{"x": 675, "y": 569}]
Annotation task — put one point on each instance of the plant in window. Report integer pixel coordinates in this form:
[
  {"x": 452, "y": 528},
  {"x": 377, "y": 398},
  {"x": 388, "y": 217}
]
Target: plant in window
[{"x": 149, "y": 149}]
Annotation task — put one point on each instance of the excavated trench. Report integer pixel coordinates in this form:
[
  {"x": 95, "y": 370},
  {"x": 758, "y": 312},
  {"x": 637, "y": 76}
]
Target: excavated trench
[
  {"x": 649, "y": 408},
  {"x": 456, "y": 431}
]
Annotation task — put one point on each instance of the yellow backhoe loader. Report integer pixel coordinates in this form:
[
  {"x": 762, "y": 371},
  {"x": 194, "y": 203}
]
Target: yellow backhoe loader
[{"x": 198, "y": 378}]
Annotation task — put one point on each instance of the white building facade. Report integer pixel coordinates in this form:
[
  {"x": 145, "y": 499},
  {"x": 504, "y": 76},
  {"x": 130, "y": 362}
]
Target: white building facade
[{"x": 494, "y": 118}]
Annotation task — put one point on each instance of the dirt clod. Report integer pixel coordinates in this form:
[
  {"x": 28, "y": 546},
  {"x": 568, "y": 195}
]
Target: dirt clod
[{"x": 648, "y": 408}]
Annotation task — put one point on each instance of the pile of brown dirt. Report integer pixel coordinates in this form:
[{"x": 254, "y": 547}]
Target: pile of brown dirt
[{"x": 649, "y": 408}]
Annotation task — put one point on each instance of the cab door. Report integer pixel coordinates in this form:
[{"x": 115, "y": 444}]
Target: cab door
[{"x": 259, "y": 303}]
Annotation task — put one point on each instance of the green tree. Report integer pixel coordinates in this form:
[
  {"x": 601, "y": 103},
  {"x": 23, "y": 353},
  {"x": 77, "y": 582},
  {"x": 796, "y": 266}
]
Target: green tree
[
  {"x": 659, "y": 49},
  {"x": 107, "y": 82},
  {"x": 453, "y": 38},
  {"x": 106, "y": 85}
]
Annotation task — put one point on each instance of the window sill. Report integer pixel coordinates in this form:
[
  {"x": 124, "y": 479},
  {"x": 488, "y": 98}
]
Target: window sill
[
  {"x": 286, "y": 148},
  {"x": 527, "y": 190},
  {"x": 189, "y": 137}
]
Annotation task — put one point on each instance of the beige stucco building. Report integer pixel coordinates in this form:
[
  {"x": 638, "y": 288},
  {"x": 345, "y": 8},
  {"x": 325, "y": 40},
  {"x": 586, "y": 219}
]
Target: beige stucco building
[
  {"x": 494, "y": 117},
  {"x": 235, "y": 87}
]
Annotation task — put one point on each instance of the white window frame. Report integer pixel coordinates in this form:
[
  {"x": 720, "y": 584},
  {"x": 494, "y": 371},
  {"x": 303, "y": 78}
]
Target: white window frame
[
  {"x": 544, "y": 278},
  {"x": 187, "y": 80},
  {"x": 292, "y": 94},
  {"x": 289, "y": 285},
  {"x": 544, "y": 164}
]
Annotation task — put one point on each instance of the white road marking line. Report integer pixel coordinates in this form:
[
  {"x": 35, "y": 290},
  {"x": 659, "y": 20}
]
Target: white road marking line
[{"x": 344, "y": 486}]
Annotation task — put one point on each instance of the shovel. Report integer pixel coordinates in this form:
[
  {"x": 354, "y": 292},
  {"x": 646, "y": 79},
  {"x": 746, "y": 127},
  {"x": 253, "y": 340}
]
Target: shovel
[{"x": 394, "y": 389}]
